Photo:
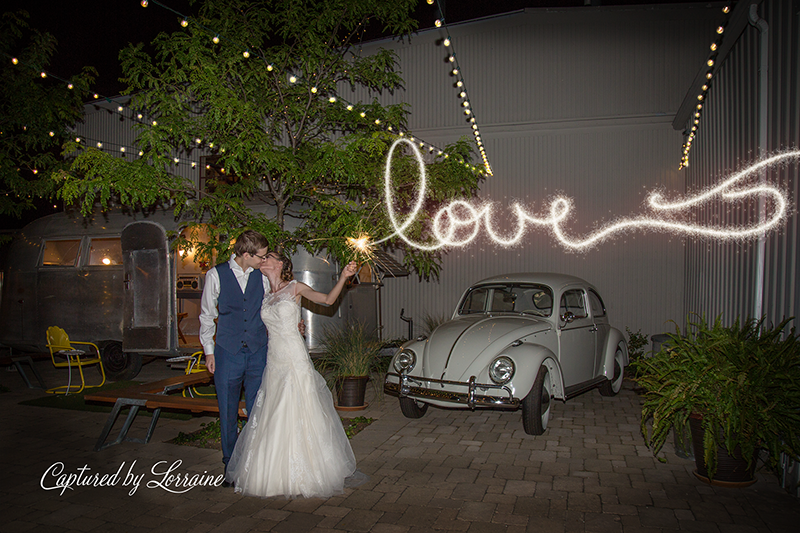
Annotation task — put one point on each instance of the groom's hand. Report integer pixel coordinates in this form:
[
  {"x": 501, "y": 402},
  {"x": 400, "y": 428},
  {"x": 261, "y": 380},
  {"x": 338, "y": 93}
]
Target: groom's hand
[
  {"x": 302, "y": 327},
  {"x": 210, "y": 363}
]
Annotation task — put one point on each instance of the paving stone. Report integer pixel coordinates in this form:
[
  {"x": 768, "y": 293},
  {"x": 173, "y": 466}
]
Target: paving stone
[{"x": 359, "y": 520}]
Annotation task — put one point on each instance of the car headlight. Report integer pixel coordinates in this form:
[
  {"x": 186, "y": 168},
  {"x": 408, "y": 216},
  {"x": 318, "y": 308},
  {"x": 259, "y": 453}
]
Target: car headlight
[
  {"x": 405, "y": 361},
  {"x": 502, "y": 370}
]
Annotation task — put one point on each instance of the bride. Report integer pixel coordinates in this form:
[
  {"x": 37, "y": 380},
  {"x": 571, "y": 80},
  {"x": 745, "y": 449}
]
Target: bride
[{"x": 293, "y": 443}]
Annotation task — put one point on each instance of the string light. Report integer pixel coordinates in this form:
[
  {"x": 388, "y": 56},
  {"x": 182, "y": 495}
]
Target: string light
[
  {"x": 459, "y": 222},
  {"x": 710, "y": 62}
]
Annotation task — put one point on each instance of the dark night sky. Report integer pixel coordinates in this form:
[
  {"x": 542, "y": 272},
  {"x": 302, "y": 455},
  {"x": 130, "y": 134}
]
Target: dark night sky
[{"x": 91, "y": 32}]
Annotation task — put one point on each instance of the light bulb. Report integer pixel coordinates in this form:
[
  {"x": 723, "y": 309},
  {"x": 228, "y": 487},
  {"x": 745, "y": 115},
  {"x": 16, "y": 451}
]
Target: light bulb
[
  {"x": 99, "y": 145},
  {"x": 430, "y": 2},
  {"x": 144, "y": 3},
  {"x": 455, "y": 72},
  {"x": 119, "y": 108},
  {"x": 198, "y": 140},
  {"x": 459, "y": 83},
  {"x": 292, "y": 79},
  {"x": 155, "y": 123},
  {"x": 70, "y": 86},
  {"x": 139, "y": 116},
  {"x": 14, "y": 60},
  {"x": 43, "y": 74},
  {"x": 96, "y": 96},
  {"x": 446, "y": 42},
  {"x": 176, "y": 160},
  {"x": 184, "y": 23},
  {"x": 52, "y": 134},
  {"x": 363, "y": 115},
  {"x": 332, "y": 99},
  {"x": 720, "y": 30},
  {"x": 462, "y": 94},
  {"x": 122, "y": 149},
  {"x": 246, "y": 54},
  {"x": 349, "y": 107},
  {"x": 377, "y": 121},
  {"x": 314, "y": 90},
  {"x": 438, "y": 23},
  {"x": 215, "y": 39},
  {"x": 710, "y": 62},
  {"x": 451, "y": 59},
  {"x": 713, "y": 46},
  {"x": 269, "y": 68}
]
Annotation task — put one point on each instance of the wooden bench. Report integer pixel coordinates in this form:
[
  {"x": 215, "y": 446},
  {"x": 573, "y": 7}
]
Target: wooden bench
[
  {"x": 154, "y": 396},
  {"x": 28, "y": 359}
]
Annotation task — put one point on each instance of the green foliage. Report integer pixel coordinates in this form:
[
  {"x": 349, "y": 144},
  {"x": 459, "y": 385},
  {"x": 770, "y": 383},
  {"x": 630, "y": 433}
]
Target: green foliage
[
  {"x": 355, "y": 425},
  {"x": 349, "y": 351},
  {"x": 637, "y": 342},
  {"x": 296, "y": 168},
  {"x": 744, "y": 380},
  {"x": 35, "y": 115}
]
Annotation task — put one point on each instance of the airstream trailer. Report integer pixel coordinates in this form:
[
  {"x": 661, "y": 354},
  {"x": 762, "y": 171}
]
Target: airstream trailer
[{"x": 114, "y": 281}]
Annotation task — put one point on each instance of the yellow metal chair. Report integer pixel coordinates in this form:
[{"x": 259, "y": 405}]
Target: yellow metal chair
[
  {"x": 59, "y": 344},
  {"x": 193, "y": 366}
]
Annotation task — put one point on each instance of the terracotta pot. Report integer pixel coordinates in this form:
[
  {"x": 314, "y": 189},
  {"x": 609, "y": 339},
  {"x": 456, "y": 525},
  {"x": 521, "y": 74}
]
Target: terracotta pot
[
  {"x": 732, "y": 470},
  {"x": 352, "y": 390}
]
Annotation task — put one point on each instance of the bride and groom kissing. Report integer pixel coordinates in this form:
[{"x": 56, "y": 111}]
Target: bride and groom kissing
[{"x": 293, "y": 443}]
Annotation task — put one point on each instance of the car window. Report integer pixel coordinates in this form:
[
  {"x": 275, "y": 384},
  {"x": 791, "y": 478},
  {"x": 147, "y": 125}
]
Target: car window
[
  {"x": 62, "y": 252},
  {"x": 598, "y": 308},
  {"x": 572, "y": 301},
  {"x": 475, "y": 302},
  {"x": 512, "y": 298},
  {"x": 105, "y": 252}
]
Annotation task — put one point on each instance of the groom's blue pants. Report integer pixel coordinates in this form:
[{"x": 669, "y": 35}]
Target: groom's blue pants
[{"x": 234, "y": 370}]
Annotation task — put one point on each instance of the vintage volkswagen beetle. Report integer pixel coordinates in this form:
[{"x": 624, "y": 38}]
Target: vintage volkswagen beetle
[{"x": 508, "y": 346}]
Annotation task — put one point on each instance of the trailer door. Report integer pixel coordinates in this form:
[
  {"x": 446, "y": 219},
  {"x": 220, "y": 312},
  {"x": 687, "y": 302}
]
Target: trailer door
[{"x": 147, "y": 302}]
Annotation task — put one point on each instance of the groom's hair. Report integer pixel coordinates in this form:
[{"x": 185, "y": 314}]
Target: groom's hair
[{"x": 249, "y": 242}]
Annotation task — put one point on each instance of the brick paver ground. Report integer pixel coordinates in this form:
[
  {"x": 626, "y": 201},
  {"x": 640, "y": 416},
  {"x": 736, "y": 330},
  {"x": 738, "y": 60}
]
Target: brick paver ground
[{"x": 450, "y": 471}]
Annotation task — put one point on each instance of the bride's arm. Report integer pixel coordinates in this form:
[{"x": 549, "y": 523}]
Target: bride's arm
[{"x": 327, "y": 299}]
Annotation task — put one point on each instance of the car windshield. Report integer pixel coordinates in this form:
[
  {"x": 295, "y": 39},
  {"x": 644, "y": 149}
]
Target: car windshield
[{"x": 526, "y": 298}]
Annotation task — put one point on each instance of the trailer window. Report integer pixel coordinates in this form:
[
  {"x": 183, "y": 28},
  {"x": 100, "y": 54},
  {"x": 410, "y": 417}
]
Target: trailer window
[
  {"x": 61, "y": 253},
  {"x": 105, "y": 252}
]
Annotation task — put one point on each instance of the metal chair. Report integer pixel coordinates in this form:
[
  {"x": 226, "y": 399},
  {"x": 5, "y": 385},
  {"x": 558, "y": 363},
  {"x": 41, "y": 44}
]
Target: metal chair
[
  {"x": 59, "y": 344},
  {"x": 195, "y": 364}
]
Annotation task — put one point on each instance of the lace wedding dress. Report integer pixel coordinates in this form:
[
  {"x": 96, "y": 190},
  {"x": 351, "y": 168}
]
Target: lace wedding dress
[{"x": 293, "y": 443}]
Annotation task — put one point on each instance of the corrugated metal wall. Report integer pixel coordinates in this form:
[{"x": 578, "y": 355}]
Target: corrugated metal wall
[
  {"x": 722, "y": 278},
  {"x": 103, "y": 122},
  {"x": 575, "y": 101}
]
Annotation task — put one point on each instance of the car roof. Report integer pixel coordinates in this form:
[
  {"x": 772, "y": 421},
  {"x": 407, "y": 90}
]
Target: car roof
[{"x": 548, "y": 278}]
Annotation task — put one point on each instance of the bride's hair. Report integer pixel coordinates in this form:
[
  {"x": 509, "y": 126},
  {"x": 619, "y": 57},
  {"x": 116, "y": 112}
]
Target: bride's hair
[{"x": 286, "y": 269}]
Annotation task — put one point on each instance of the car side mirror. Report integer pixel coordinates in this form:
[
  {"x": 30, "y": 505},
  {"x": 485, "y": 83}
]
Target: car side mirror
[{"x": 568, "y": 317}]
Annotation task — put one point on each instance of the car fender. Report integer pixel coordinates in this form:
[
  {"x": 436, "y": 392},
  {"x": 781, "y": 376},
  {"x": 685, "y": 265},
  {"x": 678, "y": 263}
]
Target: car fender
[
  {"x": 528, "y": 359},
  {"x": 615, "y": 338}
]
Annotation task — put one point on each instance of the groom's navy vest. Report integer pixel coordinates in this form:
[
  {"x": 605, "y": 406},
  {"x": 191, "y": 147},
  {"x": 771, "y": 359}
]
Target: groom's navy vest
[{"x": 239, "y": 323}]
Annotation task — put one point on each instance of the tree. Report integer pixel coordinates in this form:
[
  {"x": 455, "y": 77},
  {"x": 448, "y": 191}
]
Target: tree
[
  {"x": 258, "y": 85},
  {"x": 36, "y": 113}
]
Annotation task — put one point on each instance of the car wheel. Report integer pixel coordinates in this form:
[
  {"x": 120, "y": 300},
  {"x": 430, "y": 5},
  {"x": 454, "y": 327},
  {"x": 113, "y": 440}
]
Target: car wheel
[
  {"x": 411, "y": 408},
  {"x": 536, "y": 405},
  {"x": 119, "y": 365},
  {"x": 613, "y": 386}
]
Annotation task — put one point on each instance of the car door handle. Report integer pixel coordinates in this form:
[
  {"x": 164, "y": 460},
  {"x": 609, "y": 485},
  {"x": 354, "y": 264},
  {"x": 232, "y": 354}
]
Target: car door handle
[{"x": 593, "y": 329}]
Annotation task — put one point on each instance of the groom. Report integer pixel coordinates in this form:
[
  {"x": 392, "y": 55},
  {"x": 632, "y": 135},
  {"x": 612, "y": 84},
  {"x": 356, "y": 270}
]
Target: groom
[{"x": 232, "y": 294}]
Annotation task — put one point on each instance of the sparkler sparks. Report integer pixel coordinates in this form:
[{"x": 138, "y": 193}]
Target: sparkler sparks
[{"x": 459, "y": 223}]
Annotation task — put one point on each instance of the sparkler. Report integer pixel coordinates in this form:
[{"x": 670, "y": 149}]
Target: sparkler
[{"x": 459, "y": 223}]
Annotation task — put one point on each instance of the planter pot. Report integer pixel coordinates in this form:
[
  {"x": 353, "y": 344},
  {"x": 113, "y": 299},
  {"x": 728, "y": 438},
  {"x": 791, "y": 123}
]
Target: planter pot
[
  {"x": 352, "y": 390},
  {"x": 732, "y": 470}
]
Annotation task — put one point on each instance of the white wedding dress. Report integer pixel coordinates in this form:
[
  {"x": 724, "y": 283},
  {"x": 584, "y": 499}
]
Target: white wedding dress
[{"x": 293, "y": 443}]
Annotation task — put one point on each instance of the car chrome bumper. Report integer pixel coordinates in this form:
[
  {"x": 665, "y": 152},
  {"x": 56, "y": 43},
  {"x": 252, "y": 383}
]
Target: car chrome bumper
[{"x": 410, "y": 387}]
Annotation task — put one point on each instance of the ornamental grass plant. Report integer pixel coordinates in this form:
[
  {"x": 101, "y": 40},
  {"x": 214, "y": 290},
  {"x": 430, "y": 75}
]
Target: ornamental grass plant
[
  {"x": 743, "y": 380},
  {"x": 350, "y": 350}
]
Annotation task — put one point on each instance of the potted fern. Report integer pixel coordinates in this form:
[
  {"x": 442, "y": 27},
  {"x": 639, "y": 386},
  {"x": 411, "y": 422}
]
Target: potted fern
[
  {"x": 351, "y": 355},
  {"x": 737, "y": 387}
]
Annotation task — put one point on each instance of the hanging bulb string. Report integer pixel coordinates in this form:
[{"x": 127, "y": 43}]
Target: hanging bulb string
[{"x": 702, "y": 98}]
